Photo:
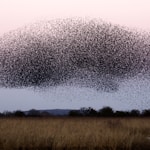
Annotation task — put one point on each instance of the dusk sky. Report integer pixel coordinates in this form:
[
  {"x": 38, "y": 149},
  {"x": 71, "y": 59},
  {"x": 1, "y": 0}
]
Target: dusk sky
[
  {"x": 17, "y": 13},
  {"x": 133, "y": 94}
]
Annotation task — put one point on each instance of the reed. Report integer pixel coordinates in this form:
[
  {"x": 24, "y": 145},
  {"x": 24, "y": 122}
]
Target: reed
[{"x": 74, "y": 133}]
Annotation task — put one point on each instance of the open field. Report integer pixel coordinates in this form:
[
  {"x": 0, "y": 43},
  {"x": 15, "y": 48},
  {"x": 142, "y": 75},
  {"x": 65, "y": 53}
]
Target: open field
[{"x": 74, "y": 133}]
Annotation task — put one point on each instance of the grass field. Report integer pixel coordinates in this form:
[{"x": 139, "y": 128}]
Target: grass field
[{"x": 74, "y": 133}]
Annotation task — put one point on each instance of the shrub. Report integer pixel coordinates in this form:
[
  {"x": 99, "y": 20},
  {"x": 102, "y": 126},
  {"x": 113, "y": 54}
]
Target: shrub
[
  {"x": 19, "y": 113},
  {"x": 106, "y": 112}
]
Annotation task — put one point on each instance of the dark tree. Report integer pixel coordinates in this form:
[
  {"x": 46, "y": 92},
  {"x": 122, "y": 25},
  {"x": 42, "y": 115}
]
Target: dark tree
[
  {"x": 75, "y": 113},
  {"x": 19, "y": 113},
  {"x": 146, "y": 113},
  {"x": 34, "y": 113},
  {"x": 106, "y": 112},
  {"x": 88, "y": 111},
  {"x": 122, "y": 114},
  {"x": 134, "y": 113}
]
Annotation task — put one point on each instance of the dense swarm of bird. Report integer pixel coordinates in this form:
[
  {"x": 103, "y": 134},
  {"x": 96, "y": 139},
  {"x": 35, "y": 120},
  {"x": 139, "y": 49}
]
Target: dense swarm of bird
[{"x": 84, "y": 52}]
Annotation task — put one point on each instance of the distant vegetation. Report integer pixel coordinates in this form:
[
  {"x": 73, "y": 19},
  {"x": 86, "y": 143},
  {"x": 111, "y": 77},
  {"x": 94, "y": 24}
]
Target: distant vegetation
[
  {"x": 109, "y": 112},
  {"x": 83, "y": 112}
]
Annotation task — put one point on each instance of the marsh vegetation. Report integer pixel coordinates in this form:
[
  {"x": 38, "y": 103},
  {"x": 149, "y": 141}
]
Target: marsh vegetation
[{"x": 74, "y": 133}]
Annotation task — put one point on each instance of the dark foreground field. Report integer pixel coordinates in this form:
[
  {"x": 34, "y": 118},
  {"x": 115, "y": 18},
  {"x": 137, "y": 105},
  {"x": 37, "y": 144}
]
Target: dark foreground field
[{"x": 74, "y": 133}]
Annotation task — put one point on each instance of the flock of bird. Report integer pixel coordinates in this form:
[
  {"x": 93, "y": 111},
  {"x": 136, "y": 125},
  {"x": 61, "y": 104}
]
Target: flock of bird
[{"x": 74, "y": 51}]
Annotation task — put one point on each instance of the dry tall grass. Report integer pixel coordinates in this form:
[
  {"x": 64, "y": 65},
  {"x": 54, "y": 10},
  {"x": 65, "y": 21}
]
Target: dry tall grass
[{"x": 74, "y": 133}]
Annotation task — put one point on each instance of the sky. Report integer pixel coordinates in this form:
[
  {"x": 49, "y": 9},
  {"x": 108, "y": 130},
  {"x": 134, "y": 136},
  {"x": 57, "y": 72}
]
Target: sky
[
  {"x": 17, "y": 13},
  {"x": 131, "y": 13}
]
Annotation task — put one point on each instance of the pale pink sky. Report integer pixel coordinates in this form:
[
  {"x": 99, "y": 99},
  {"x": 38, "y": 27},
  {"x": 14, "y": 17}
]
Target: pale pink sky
[
  {"x": 132, "y": 13},
  {"x": 16, "y": 13}
]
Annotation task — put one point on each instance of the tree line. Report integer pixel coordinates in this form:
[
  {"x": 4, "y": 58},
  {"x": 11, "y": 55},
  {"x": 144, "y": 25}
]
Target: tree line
[
  {"x": 83, "y": 112},
  {"x": 109, "y": 112}
]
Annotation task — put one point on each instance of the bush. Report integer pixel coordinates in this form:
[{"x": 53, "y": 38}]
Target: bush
[
  {"x": 134, "y": 113},
  {"x": 88, "y": 111},
  {"x": 75, "y": 113},
  {"x": 146, "y": 113},
  {"x": 106, "y": 112},
  {"x": 19, "y": 113},
  {"x": 33, "y": 113}
]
